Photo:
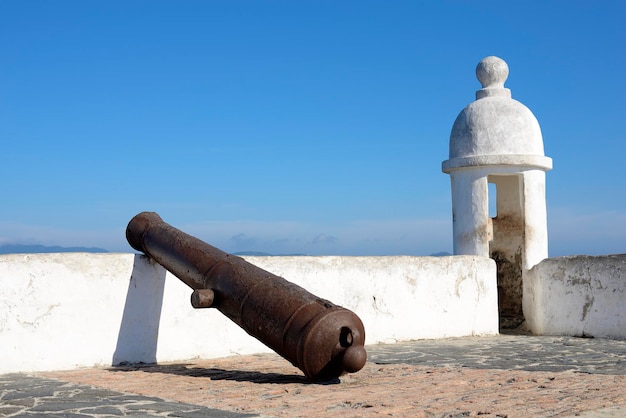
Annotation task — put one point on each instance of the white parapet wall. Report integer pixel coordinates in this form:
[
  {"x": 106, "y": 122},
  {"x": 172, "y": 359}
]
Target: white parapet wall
[
  {"x": 63, "y": 311},
  {"x": 578, "y": 296}
]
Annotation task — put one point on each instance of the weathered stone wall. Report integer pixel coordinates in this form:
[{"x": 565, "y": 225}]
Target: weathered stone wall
[
  {"x": 577, "y": 295},
  {"x": 506, "y": 248},
  {"x": 62, "y": 311}
]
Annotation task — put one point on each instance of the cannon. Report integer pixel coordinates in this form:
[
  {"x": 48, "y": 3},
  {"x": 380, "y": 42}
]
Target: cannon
[{"x": 318, "y": 337}]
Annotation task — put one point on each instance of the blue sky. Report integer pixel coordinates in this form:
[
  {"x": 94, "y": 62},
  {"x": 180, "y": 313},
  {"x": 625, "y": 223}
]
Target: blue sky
[{"x": 314, "y": 127}]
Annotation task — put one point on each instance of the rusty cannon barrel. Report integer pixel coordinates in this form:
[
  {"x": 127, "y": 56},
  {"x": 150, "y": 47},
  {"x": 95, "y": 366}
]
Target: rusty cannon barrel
[{"x": 320, "y": 338}]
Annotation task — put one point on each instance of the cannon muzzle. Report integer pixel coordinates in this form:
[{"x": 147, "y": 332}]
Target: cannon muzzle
[{"x": 320, "y": 338}]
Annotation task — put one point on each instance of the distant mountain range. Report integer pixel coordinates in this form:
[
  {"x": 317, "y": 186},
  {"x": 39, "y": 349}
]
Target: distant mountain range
[
  {"x": 28, "y": 249},
  {"x": 35, "y": 248},
  {"x": 262, "y": 254}
]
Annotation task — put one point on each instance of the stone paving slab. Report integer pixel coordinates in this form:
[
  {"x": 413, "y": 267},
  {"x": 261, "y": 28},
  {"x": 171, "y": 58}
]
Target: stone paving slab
[
  {"x": 25, "y": 395},
  {"x": 504, "y": 376},
  {"x": 519, "y": 352}
]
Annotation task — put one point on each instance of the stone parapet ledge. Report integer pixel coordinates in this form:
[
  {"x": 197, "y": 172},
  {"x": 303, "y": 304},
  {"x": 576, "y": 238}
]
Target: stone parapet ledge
[
  {"x": 519, "y": 160},
  {"x": 72, "y": 310},
  {"x": 580, "y": 295}
]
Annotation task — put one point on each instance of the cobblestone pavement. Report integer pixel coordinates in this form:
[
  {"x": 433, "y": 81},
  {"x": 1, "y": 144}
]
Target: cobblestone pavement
[
  {"x": 503, "y": 376},
  {"x": 548, "y": 354},
  {"x": 24, "y": 395}
]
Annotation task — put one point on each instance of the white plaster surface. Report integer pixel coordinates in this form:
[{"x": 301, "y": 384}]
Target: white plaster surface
[
  {"x": 578, "y": 296},
  {"x": 471, "y": 226},
  {"x": 400, "y": 297},
  {"x": 63, "y": 311},
  {"x": 535, "y": 218}
]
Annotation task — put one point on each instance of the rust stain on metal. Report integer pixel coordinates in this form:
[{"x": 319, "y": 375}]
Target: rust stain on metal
[{"x": 320, "y": 338}]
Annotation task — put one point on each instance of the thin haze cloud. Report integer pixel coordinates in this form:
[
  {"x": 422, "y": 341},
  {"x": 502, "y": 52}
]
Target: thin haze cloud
[
  {"x": 395, "y": 237},
  {"x": 296, "y": 127}
]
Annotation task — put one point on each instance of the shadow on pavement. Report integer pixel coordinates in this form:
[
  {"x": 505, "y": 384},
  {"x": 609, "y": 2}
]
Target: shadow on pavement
[{"x": 183, "y": 369}]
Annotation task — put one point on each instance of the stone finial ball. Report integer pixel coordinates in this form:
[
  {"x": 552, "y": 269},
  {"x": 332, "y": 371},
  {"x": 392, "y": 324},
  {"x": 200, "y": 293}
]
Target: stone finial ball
[{"x": 492, "y": 72}]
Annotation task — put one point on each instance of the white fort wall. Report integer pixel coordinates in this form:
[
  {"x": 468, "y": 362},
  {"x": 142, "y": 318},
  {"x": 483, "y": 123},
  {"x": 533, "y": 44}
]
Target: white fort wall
[
  {"x": 577, "y": 295},
  {"x": 62, "y": 311}
]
